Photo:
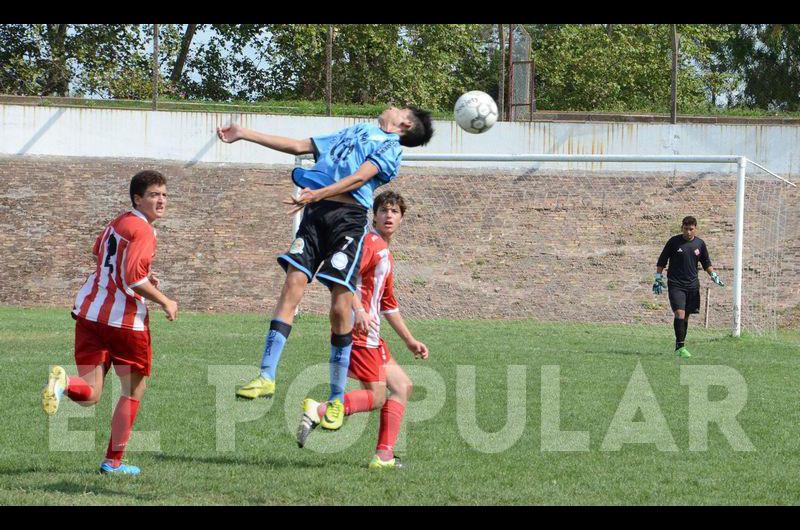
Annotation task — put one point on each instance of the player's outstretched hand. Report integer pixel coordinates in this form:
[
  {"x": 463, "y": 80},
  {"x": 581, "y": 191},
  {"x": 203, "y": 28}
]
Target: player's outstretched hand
[
  {"x": 171, "y": 309},
  {"x": 297, "y": 203},
  {"x": 658, "y": 284},
  {"x": 230, "y": 134},
  {"x": 419, "y": 349},
  {"x": 715, "y": 278}
]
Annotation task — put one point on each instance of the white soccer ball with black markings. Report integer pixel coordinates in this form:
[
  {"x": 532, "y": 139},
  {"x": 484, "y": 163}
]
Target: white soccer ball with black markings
[{"x": 475, "y": 112}]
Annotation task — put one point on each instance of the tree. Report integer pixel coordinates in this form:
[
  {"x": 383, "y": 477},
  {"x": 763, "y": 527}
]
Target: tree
[
  {"x": 589, "y": 67},
  {"x": 186, "y": 42},
  {"x": 767, "y": 56},
  {"x": 107, "y": 60}
]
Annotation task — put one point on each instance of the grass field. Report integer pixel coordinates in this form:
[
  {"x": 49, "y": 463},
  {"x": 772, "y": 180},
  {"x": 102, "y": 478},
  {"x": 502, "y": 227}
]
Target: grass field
[{"x": 195, "y": 428}]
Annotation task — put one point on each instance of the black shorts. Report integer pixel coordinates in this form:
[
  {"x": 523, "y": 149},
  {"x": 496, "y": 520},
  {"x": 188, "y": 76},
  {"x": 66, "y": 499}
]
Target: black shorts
[
  {"x": 686, "y": 299},
  {"x": 328, "y": 243}
]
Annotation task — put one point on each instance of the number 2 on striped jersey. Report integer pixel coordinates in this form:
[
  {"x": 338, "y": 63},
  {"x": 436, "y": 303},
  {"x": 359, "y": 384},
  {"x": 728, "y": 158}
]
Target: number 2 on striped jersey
[{"x": 112, "y": 250}]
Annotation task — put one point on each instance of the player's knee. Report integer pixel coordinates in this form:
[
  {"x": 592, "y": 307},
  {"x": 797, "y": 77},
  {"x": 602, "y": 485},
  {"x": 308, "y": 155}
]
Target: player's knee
[
  {"x": 137, "y": 392},
  {"x": 378, "y": 398},
  {"x": 341, "y": 311},
  {"x": 404, "y": 389},
  {"x": 341, "y": 300},
  {"x": 295, "y": 284}
]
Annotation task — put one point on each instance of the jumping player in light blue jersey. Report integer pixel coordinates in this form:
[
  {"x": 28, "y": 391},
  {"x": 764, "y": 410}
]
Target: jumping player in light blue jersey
[
  {"x": 336, "y": 196},
  {"x": 340, "y": 155}
]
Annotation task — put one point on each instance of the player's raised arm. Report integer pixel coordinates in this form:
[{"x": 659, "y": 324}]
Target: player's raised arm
[
  {"x": 292, "y": 146},
  {"x": 366, "y": 171}
]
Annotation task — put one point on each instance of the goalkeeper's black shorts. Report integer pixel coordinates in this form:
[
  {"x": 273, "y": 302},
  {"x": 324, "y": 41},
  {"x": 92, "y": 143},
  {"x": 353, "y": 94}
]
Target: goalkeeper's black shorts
[
  {"x": 328, "y": 243},
  {"x": 686, "y": 299}
]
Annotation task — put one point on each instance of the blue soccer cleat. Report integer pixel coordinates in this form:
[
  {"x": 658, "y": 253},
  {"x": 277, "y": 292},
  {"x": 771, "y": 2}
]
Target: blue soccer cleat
[{"x": 122, "y": 469}]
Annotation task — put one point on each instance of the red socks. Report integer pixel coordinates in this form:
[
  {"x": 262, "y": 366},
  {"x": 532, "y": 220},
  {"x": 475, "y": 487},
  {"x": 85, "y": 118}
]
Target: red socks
[
  {"x": 78, "y": 389},
  {"x": 121, "y": 427},
  {"x": 357, "y": 401},
  {"x": 391, "y": 417}
]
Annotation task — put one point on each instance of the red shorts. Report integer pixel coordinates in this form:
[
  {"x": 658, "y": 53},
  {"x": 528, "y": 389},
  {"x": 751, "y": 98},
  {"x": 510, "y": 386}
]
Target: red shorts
[
  {"x": 98, "y": 344},
  {"x": 367, "y": 364}
]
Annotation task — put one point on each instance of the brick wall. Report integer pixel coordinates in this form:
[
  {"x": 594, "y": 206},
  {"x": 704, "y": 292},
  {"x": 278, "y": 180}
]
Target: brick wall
[{"x": 552, "y": 245}]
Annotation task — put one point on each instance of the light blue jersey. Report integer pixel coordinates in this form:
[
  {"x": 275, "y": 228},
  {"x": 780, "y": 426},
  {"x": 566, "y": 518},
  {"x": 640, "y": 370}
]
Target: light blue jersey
[{"x": 339, "y": 155}]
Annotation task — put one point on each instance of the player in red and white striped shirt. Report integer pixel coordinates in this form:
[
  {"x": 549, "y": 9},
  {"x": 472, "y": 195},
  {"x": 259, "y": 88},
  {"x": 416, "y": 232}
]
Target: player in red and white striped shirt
[
  {"x": 111, "y": 319},
  {"x": 370, "y": 360}
]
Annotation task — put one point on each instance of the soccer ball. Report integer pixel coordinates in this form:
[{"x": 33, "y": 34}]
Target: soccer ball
[{"x": 475, "y": 112}]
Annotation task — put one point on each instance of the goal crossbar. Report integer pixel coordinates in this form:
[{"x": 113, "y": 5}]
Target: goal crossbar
[{"x": 740, "y": 161}]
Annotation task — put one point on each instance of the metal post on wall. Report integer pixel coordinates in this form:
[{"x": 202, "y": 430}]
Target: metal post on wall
[
  {"x": 533, "y": 88},
  {"x": 155, "y": 66},
  {"x": 501, "y": 93},
  {"x": 674, "y": 87},
  {"x": 510, "y": 103},
  {"x": 329, "y": 70}
]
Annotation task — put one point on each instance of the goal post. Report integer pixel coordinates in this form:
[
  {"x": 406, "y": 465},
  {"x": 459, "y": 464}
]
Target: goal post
[{"x": 740, "y": 162}]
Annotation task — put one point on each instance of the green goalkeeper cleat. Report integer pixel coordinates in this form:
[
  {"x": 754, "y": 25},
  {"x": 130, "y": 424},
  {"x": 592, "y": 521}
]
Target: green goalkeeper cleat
[
  {"x": 258, "y": 387},
  {"x": 683, "y": 352}
]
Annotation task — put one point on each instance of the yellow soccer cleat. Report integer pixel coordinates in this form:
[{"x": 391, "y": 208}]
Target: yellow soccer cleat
[
  {"x": 56, "y": 385},
  {"x": 334, "y": 416},
  {"x": 308, "y": 421},
  {"x": 258, "y": 387},
  {"x": 377, "y": 463}
]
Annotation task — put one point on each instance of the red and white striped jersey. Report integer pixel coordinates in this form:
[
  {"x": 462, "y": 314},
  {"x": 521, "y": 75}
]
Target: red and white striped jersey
[
  {"x": 376, "y": 286},
  {"x": 124, "y": 252}
]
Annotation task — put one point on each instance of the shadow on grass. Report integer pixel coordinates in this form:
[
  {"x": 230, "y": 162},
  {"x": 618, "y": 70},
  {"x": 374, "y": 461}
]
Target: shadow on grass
[
  {"x": 638, "y": 353},
  {"x": 75, "y": 488},
  {"x": 248, "y": 461},
  {"x": 34, "y": 469}
]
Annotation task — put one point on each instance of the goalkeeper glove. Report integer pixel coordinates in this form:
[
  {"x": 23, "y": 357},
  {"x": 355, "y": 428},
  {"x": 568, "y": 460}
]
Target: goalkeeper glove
[
  {"x": 715, "y": 278},
  {"x": 658, "y": 285}
]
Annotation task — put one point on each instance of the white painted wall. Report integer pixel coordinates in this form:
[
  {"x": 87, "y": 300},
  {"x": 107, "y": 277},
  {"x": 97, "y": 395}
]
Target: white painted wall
[{"x": 190, "y": 137}]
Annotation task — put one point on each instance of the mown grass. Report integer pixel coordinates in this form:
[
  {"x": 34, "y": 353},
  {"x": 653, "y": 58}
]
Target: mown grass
[{"x": 207, "y": 452}]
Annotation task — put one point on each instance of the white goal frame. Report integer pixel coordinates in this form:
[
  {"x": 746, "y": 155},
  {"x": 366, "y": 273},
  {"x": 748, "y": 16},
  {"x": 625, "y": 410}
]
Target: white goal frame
[{"x": 740, "y": 161}]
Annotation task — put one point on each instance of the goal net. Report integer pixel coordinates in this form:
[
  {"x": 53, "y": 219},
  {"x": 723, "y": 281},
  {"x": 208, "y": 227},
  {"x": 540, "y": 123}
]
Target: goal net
[{"x": 577, "y": 241}]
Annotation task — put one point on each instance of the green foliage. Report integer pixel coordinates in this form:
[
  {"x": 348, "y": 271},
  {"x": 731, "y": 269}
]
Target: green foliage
[
  {"x": 107, "y": 60},
  {"x": 768, "y": 58},
  {"x": 579, "y": 67},
  {"x": 427, "y": 65},
  {"x": 628, "y": 68}
]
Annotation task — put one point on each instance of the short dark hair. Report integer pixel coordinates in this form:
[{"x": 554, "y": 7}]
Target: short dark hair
[
  {"x": 389, "y": 198},
  {"x": 421, "y": 129},
  {"x": 689, "y": 221},
  {"x": 143, "y": 180}
]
